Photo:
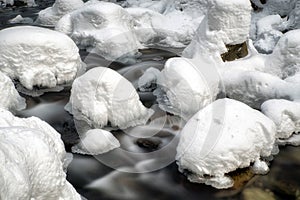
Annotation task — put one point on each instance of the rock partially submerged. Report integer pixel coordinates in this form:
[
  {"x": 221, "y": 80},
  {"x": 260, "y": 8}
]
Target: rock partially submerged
[
  {"x": 9, "y": 96},
  {"x": 33, "y": 160},
  {"x": 96, "y": 141},
  {"x": 222, "y": 137},
  {"x": 103, "y": 96},
  {"x": 38, "y": 57}
]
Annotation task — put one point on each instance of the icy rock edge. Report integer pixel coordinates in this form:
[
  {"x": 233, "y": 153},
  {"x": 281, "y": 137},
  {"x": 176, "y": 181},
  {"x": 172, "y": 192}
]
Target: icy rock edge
[{"x": 9, "y": 97}]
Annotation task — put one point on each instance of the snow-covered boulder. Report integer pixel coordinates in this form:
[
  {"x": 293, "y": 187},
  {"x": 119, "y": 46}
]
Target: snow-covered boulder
[
  {"x": 29, "y": 3},
  {"x": 285, "y": 114},
  {"x": 155, "y": 29},
  {"x": 268, "y": 33},
  {"x": 51, "y": 15},
  {"x": 102, "y": 95},
  {"x": 9, "y": 96},
  {"x": 222, "y": 137},
  {"x": 33, "y": 160},
  {"x": 185, "y": 86},
  {"x": 96, "y": 141},
  {"x": 285, "y": 59},
  {"x": 227, "y": 22},
  {"x": 254, "y": 87},
  {"x": 38, "y": 57},
  {"x": 105, "y": 28}
]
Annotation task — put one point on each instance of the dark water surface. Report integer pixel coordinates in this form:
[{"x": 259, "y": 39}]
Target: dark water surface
[{"x": 95, "y": 181}]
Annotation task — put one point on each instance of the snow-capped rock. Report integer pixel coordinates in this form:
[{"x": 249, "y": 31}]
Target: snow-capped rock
[
  {"x": 105, "y": 28},
  {"x": 96, "y": 141},
  {"x": 186, "y": 85},
  {"x": 20, "y": 20},
  {"x": 10, "y": 98},
  {"x": 222, "y": 137},
  {"x": 33, "y": 160},
  {"x": 102, "y": 95},
  {"x": 285, "y": 114},
  {"x": 155, "y": 29},
  {"x": 254, "y": 87},
  {"x": 285, "y": 59},
  {"x": 227, "y": 22},
  {"x": 29, "y": 3},
  {"x": 38, "y": 57},
  {"x": 51, "y": 15}
]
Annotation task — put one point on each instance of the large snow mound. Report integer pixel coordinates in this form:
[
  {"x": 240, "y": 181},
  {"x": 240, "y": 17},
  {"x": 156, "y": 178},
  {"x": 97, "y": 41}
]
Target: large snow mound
[
  {"x": 51, "y": 15},
  {"x": 9, "y": 97},
  {"x": 33, "y": 160},
  {"x": 102, "y": 95},
  {"x": 285, "y": 114},
  {"x": 222, "y": 137},
  {"x": 185, "y": 85},
  {"x": 104, "y": 27},
  {"x": 38, "y": 57}
]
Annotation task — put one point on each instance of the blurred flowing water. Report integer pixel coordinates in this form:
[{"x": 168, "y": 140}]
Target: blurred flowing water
[{"x": 94, "y": 180}]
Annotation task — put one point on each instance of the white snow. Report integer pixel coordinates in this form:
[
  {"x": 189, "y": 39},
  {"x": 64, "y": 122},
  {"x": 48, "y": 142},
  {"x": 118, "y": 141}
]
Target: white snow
[
  {"x": 51, "y": 15},
  {"x": 285, "y": 59},
  {"x": 268, "y": 33},
  {"x": 38, "y": 57},
  {"x": 227, "y": 22},
  {"x": 102, "y": 95},
  {"x": 254, "y": 87},
  {"x": 105, "y": 28},
  {"x": 186, "y": 85},
  {"x": 96, "y": 141},
  {"x": 222, "y": 137},
  {"x": 19, "y": 19},
  {"x": 33, "y": 160},
  {"x": 9, "y": 96},
  {"x": 285, "y": 114}
]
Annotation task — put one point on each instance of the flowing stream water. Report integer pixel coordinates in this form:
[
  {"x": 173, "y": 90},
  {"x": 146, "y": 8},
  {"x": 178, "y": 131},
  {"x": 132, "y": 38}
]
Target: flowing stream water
[{"x": 93, "y": 179}]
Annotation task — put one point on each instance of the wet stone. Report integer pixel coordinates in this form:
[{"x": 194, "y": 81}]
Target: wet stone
[
  {"x": 149, "y": 143},
  {"x": 235, "y": 52}
]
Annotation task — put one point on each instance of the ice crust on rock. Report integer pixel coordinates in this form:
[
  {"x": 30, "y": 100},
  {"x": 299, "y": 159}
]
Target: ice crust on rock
[
  {"x": 285, "y": 114},
  {"x": 10, "y": 98},
  {"x": 96, "y": 141},
  {"x": 104, "y": 28},
  {"x": 51, "y": 15},
  {"x": 38, "y": 57},
  {"x": 33, "y": 160},
  {"x": 102, "y": 95},
  {"x": 222, "y": 137}
]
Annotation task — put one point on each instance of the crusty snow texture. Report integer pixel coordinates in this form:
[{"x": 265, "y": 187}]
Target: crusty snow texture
[
  {"x": 38, "y": 57},
  {"x": 9, "y": 96},
  {"x": 102, "y": 95},
  {"x": 33, "y": 160},
  {"x": 222, "y": 137}
]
